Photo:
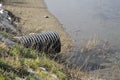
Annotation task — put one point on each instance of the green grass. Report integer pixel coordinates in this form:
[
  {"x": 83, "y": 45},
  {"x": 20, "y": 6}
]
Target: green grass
[
  {"x": 5, "y": 34},
  {"x": 20, "y": 59},
  {"x": 15, "y": 61},
  {"x": 2, "y": 77}
]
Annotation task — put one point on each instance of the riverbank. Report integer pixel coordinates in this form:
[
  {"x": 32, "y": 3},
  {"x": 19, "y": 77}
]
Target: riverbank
[
  {"x": 36, "y": 18},
  {"x": 18, "y": 62}
]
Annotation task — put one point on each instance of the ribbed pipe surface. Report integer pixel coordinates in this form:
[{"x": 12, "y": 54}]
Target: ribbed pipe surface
[{"x": 47, "y": 42}]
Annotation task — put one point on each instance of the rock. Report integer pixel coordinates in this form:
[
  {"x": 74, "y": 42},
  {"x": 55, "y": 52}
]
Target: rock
[
  {"x": 1, "y": 38},
  {"x": 31, "y": 71},
  {"x": 42, "y": 68},
  {"x": 46, "y": 16},
  {"x": 32, "y": 33},
  {"x": 7, "y": 25},
  {"x": 7, "y": 20},
  {"x": 33, "y": 75},
  {"x": 54, "y": 77},
  {"x": 9, "y": 43}
]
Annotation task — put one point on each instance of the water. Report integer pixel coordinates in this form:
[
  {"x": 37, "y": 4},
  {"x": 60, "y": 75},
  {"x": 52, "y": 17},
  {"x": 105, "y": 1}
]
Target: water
[{"x": 84, "y": 19}]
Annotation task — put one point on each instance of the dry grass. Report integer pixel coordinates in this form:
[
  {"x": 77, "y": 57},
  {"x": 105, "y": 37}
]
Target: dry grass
[
  {"x": 3, "y": 47},
  {"x": 91, "y": 44},
  {"x": 19, "y": 58}
]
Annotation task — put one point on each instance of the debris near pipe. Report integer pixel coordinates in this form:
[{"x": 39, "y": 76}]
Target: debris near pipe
[
  {"x": 7, "y": 42},
  {"x": 7, "y": 20},
  {"x": 48, "y": 42}
]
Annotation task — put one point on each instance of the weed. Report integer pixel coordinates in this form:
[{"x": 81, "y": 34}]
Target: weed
[
  {"x": 24, "y": 52},
  {"x": 2, "y": 77},
  {"x": 91, "y": 43},
  {"x": 61, "y": 75}
]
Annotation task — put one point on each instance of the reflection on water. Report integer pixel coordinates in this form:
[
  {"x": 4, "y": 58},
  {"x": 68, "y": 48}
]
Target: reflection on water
[{"x": 83, "y": 19}]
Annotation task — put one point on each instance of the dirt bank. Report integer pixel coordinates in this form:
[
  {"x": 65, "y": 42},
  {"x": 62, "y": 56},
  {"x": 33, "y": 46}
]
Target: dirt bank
[{"x": 33, "y": 19}]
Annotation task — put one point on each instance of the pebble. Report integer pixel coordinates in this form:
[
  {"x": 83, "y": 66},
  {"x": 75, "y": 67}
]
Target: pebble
[
  {"x": 46, "y": 16},
  {"x": 42, "y": 68}
]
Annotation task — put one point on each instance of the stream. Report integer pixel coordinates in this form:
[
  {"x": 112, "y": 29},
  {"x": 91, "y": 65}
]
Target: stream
[{"x": 86, "y": 19}]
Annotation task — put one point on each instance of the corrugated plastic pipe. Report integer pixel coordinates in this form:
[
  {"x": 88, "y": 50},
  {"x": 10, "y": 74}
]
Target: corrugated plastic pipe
[{"x": 48, "y": 41}]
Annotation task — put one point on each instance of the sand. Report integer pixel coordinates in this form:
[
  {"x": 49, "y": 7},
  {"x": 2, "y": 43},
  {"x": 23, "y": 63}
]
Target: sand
[{"x": 33, "y": 19}]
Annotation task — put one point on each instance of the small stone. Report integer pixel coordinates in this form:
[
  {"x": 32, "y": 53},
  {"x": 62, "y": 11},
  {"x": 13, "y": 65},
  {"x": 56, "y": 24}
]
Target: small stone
[
  {"x": 46, "y": 16},
  {"x": 9, "y": 43},
  {"x": 32, "y": 33},
  {"x": 42, "y": 68},
  {"x": 31, "y": 71},
  {"x": 1, "y": 37},
  {"x": 54, "y": 77}
]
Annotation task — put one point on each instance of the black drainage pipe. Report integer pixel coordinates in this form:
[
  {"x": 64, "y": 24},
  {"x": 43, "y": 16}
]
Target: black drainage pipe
[{"x": 47, "y": 42}]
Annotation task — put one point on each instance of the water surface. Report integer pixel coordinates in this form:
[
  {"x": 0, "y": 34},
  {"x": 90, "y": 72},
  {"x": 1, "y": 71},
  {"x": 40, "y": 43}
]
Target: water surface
[{"x": 84, "y": 19}]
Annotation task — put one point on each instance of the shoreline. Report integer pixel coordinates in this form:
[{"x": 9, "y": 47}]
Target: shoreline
[{"x": 32, "y": 14}]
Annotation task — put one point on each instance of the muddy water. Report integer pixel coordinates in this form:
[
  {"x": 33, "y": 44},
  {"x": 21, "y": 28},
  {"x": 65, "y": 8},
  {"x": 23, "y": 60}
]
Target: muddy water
[{"x": 84, "y": 19}]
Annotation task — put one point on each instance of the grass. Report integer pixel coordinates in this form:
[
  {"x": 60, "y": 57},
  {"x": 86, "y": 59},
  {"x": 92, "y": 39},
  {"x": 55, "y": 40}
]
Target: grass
[
  {"x": 2, "y": 77},
  {"x": 92, "y": 43},
  {"x": 16, "y": 61},
  {"x": 6, "y": 35},
  {"x": 21, "y": 59}
]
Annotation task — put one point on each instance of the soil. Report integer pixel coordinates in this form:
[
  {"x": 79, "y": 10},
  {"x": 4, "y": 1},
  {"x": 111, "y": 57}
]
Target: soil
[{"x": 35, "y": 18}]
